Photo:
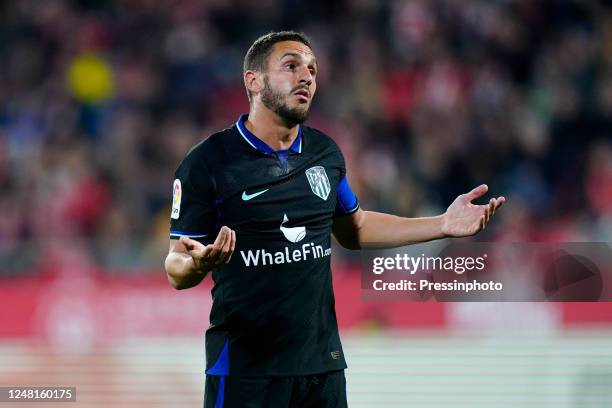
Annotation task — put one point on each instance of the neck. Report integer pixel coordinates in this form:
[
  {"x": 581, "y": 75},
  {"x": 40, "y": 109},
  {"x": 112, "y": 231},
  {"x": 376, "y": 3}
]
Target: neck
[{"x": 270, "y": 128}]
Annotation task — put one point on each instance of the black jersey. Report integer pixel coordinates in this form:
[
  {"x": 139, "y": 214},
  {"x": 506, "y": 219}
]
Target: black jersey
[{"x": 273, "y": 305}]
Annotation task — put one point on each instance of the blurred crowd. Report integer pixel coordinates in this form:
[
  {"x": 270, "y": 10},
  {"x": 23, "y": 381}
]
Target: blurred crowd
[{"x": 100, "y": 100}]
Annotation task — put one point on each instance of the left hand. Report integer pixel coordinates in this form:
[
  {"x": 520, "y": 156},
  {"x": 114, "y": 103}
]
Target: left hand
[{"x": 462, "y": 218}]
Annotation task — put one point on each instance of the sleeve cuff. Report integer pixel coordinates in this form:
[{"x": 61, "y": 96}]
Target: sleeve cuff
[{"x": 178, "y": 234}]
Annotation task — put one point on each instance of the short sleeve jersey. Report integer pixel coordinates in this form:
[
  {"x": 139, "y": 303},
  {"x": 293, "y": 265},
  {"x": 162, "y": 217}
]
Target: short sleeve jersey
[{"x": 273, "y": 310}]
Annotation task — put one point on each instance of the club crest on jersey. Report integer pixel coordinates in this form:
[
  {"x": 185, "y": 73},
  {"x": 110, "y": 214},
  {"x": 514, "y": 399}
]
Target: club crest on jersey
[
  {"x": 319, "y": 183},
  {"x": 176, "y": 199}
]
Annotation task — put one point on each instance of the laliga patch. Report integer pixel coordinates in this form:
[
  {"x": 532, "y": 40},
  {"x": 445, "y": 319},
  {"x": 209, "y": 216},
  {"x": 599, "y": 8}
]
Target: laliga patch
[{"x": 177, "y": 192}]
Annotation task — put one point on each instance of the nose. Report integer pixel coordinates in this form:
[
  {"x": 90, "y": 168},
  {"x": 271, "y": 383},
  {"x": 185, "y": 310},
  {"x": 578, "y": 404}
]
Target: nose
[{"x": 306, "y": 76}]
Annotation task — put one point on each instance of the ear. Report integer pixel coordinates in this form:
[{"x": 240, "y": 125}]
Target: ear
[{"x": 253, "y": 80}]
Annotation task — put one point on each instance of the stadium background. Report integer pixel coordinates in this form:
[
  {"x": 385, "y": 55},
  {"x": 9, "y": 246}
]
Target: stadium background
[{"x": 100, "y": 100}]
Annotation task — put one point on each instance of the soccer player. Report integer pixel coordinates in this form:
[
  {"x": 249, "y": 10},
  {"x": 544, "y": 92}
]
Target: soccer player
[{"x": 256, "y": 205}]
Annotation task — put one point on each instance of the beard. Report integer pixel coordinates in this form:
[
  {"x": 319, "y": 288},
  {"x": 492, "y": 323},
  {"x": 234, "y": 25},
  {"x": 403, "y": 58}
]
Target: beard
[{"x": 277, "y": 103}]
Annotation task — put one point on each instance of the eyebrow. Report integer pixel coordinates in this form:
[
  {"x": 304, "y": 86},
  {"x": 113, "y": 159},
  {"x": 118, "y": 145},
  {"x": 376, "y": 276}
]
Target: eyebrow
[{"x": 298, "y": 56}]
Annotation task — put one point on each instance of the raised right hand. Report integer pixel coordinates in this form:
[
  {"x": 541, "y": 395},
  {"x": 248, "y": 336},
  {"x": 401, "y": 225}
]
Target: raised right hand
[{"x": 207, "y": 257}]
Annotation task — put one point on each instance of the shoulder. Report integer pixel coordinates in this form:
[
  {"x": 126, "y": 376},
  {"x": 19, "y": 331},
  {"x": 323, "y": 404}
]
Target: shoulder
[
  {"x": 322, "y": 144},
  {"x": 209, "y": 151},
  {"x": 320, "y": 139}
]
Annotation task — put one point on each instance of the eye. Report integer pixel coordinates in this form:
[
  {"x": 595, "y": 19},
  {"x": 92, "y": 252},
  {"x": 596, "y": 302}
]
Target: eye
[{"x": 291, "y": 66}]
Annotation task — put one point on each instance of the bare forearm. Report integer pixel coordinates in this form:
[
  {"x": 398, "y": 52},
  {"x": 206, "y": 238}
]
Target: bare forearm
[
  {"x": 379, "y": 230},
  {"x": 368, "y": 229},
  {"x": 181, "y": 271}
]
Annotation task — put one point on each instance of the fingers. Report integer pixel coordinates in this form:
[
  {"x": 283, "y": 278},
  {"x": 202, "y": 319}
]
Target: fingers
[
  {"x": 228, "y": 247},
  {"x": 219, "y": 251},
  {"x": 489, "y": 210},
  {"x": 191, "y": 245},
  {"x": 226, "y": 251},
  {"x": 232, "y": 247},
  {"x": 495, "y": 203},
  {"x": 217, "y": 247},
  {"x": 199, "y": 250},
  {"x": 477, "y": 192}
]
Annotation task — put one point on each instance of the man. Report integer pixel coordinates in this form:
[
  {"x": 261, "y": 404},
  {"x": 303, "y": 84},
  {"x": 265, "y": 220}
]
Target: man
[{"x": 274, "y": 191}]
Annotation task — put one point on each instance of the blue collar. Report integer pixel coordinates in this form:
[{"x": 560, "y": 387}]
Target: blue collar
[{"x": 259, "y": 144}]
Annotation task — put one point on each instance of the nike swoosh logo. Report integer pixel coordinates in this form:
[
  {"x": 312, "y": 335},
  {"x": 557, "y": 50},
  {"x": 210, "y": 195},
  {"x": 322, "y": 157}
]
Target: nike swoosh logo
[{"x": 247, "y": 197}]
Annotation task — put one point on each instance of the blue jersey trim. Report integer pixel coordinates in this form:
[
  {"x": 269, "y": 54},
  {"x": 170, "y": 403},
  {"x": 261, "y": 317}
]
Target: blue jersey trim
[
  {"x": 221, "y": 366},
  {"x": 185, "y": 234},
  {"x": 259, "y": 144},
  {"x": 347, "y": 202},
  {"x": 220, "y": 393}
]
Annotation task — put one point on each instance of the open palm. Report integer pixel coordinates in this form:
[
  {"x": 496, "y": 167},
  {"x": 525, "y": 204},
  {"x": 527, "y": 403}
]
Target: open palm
[{"x": 462, "y": 218}]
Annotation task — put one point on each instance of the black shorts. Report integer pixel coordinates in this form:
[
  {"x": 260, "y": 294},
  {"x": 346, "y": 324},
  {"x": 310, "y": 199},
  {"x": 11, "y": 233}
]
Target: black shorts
[{"x": 327, "y": 390}]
